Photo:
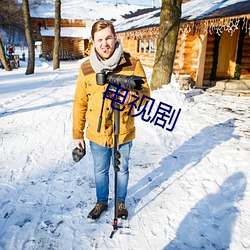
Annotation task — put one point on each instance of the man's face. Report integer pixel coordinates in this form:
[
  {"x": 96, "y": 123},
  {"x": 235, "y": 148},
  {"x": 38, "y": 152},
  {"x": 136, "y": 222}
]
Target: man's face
[{"x": 104, "y": 42}]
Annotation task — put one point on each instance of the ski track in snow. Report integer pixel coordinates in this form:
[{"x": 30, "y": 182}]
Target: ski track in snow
[{"x": 181, "y": 186}]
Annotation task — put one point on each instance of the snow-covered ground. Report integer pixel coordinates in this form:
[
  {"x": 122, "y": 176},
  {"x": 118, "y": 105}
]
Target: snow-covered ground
[{"x": 188, "y": 189}]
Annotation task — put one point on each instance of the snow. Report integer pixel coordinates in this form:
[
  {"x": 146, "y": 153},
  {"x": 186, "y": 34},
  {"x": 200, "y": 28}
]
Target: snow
[
  {"x": 155, "y": 3},
  {"x": 197, "y": 9},
  {"x": 188, "y": 189},
  {"x": 86, "y": 10},
  {"x": 84, "y": 33},
  {"x": 145, "y": 20},
  {"x": 192, "y": 10}
]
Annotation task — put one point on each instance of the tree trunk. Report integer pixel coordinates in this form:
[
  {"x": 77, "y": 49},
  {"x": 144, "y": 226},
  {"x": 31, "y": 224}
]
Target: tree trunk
[
  {"x": 56, "y": 59},
  {"x": 28, "y": 33},
  {"x": 3, "y": 57},
  {"x": 168, "y": 34}
]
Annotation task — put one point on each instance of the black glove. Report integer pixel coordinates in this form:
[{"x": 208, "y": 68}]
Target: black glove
[{"x": 78, "y": 153}]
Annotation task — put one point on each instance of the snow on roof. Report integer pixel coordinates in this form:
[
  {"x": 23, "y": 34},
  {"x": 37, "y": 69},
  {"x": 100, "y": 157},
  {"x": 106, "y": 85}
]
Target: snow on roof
[
  {"x": 198, "y": 9},
  {"x": 80, "y": 32},
  {"x": 145, "y": 20},
  {"x": 192, "y": 10},
  {"x": 85, "y": 10}
]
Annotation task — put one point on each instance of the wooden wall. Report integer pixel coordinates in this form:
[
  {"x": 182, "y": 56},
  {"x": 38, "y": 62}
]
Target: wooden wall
[
  {"x": 186, "y": 56},
  {"x": 131, "y": 46},
  {"x": 47, "y": 45},
  {"x": 214, "y": 44},
  {"x": 199, "y": 55},
  {"x": 73, "y": 45},
  {"x": 186, "y": 53},
  {"x": 76, "y": 46},
  {"x": 245, "y": 60},
  {"x": 50, "y": 22},
  {"x": 178, "y": 61},
  {"x": 209, "y": 59},
  {"x": 146, "y": 59},
  {"x": 38, "y": 23}
]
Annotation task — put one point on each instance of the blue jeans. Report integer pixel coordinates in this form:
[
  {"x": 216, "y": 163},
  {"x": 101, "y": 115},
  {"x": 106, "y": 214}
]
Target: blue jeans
[{"x": 102, "y": 158}]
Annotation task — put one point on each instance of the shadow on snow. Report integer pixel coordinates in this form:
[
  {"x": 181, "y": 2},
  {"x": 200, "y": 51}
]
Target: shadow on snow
[
  {"x": 23, "y": 110},
  {"x": 190, "y": 153},
  {"x": 210, "y": 223}
]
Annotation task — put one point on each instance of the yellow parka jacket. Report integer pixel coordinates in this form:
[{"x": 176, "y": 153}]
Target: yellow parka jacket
[{"x": 88, "y": 101}]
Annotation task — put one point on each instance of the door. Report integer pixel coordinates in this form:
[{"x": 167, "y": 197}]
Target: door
[{"x": 227, "y": 55}]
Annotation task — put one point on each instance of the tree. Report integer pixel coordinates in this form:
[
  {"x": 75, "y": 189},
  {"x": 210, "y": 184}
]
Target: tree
[
  {"x": 11, "y": 19},
  {"x": 3, "y": 57},
  {"x": 168, "y": 34},
  {"x": 29, "y": 39},
  {"x": 10, "y": 24},
  {"x": 56, "y": 59}
]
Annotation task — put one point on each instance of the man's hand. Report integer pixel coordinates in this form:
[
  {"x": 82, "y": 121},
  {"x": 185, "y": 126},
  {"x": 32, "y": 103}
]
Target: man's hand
[
  {"x": 79, "y": 143},
  {"x": 79, "y": 151},
  {"x": 120, "y": 98},
  {"x": 123, "y": 92}
]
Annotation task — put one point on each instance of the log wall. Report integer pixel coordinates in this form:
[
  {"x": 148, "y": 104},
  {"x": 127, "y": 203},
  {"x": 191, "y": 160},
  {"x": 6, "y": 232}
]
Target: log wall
[
  {"x": 50, "y": 22},
  {"x": 187, "y": 59},
  {"x": 245, "y": 60},
  {"x": 73, "y": 45},
  {"x": 186, "y": 56},
  {"x": 131, "y": 46},
  {"x": 76, "y": 46},
  {"x": 209, "y": 57}
]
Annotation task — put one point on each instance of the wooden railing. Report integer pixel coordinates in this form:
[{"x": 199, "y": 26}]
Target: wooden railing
[{"x": 63, "y": 55}]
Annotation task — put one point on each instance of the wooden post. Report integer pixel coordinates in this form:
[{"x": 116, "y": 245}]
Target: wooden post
[
  {"x": 144, "y": 45},
  {"x": 140, "y": 42},
  {"x": 201, "y": 60}
]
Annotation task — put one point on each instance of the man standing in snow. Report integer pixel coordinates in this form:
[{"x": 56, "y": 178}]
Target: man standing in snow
[{"x": 107, "y": 54}]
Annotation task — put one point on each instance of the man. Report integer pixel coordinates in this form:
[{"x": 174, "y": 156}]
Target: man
[{"x": 107, "y": 54}]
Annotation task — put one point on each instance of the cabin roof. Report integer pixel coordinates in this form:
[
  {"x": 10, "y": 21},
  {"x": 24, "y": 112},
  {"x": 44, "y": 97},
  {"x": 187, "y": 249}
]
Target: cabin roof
[
  {"x": 140, "y": 21},
  {"x": 85, "y": 10},
  {"x": 76, "y": 32},
  {"x": 208, "y": 9},
  {"x": 193, "y": 10}
]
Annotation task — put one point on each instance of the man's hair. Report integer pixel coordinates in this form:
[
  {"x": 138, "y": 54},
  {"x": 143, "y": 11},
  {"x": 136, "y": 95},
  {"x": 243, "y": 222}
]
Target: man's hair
[{"x": 101, "y": 24}]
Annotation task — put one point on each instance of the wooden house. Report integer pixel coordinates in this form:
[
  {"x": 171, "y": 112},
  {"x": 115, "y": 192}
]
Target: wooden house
[
  {"x": 213, "y": 41},
  {"x": 75, "y": 36},
  {"x": 77, "y": 19}
]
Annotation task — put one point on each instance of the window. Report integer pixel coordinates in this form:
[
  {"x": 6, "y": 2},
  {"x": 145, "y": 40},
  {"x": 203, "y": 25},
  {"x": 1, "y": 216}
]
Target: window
[{"x": 146, "y": 45}]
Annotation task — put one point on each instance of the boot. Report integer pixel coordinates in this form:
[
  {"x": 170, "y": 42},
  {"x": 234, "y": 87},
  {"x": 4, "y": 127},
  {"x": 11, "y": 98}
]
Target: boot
[
  {"x": 97, "y": 210},
  {"x": 122, "y": 211}
]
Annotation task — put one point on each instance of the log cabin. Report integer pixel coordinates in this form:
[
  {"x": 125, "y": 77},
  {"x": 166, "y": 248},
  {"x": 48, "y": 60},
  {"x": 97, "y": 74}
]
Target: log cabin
[
  {"x": 74, "y": 37},
  {"x": 77, "y": 19},
  {"x": 213, "y": 41}
]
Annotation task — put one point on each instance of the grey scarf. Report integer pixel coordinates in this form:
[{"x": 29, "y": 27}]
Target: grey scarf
[{"x": 110, "y": 64}]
